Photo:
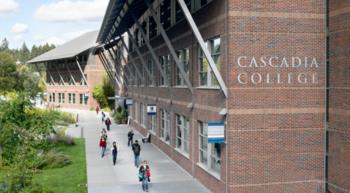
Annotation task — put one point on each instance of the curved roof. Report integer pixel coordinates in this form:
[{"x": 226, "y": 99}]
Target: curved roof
[{"x": 69, "y": 49}]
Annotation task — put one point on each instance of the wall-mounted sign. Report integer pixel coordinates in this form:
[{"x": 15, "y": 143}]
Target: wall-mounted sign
[
  {"x": 129, "y": 102},
  {"x": 151, "y": 109},
  {"x": 276, "y": 70},
  {"x": 216, "y": 132}
]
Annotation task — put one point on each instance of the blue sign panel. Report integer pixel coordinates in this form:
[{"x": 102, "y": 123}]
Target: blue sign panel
[
  {"x": 216, "y": 132},
  {"x": 151, "y": 109}
]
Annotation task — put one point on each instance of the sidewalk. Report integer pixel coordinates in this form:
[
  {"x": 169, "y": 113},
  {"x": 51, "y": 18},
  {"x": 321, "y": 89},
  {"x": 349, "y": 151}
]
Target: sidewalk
[{"x": 103, "y": 177}]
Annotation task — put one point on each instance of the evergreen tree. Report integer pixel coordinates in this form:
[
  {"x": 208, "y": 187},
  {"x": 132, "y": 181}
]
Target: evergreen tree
[{"x": 4, "y": 45}]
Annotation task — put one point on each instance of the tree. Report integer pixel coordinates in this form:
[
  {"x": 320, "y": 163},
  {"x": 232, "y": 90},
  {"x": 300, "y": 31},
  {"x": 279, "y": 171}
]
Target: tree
[
  {"x": 103, "y": 91},
  {"x": 8, "y": 73},
  {"x": 4, "y": 45}
]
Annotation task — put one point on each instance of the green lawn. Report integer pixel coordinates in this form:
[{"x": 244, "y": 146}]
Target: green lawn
[{"x": 71, "y": 178}]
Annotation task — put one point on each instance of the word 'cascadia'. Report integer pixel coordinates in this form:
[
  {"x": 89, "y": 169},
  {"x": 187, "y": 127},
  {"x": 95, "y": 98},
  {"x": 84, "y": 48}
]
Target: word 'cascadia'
[
  {"x": 280, "y": 76},
  {"x": 277, "y": 62}
]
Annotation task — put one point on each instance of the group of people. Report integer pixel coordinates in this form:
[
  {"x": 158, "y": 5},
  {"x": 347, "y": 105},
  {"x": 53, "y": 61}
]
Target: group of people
[{"x": 144, "y": 172}]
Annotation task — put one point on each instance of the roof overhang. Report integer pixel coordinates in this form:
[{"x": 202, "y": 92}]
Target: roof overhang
[{"x": 119, "y": 18}]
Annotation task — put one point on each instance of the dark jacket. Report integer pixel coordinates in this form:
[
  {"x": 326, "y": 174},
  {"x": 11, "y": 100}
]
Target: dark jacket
[{"x": 136, "y": 148}]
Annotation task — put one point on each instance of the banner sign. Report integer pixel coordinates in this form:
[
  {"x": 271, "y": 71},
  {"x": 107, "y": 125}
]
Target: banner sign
[
  {"x": 216, "y": 132},
  {"x": 129, "y": 102},
  {"x": 151, "y": 109}
]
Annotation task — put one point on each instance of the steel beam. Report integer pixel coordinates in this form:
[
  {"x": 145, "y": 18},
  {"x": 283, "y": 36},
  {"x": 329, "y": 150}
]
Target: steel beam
[
  {"x": 53, "y": 80},
  {"x": 201, "y": 42},
  {"x": 144, "y": 64},
  {"x": 59, "y": 74},
  {"x": 107, "y": 68},
  {"x": 170, "y": 46},
  {"x": 80, "y": 69},
  {"x": 132, "y": 62},
  {"x": 71, "y": 75},
  {"x": 154, "y": 56}
]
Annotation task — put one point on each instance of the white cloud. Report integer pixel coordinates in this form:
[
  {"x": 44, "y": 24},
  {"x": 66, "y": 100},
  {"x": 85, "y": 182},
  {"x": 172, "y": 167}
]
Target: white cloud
[
  {"x": 59, "y": 40},
  {"x": 19, "y": 28},
  {"x": 8, "y": 5},
  {"x": 72, "y": 11}
]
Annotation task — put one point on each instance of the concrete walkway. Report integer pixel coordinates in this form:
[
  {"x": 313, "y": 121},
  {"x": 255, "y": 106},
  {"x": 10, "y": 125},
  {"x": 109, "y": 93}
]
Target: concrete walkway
[{"x": 103, "y": 177}]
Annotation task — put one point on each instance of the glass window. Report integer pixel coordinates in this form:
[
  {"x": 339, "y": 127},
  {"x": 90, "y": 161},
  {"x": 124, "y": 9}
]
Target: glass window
[
  {"x": 152, "y": 28},
  {"x": 81, "y": 99},
  {"x": 150, "y": 66},
  {"x": 209, "y": 154},
  {"x": 182, "y": 133},
  {"x": 165, "y": 14},
  {"x": 50, "y": 97},
  {"x": 206, "y": 75},
  {"x": 165, "y": 125},
  {"x": 141, "y": 113},
  {"x": 69, "y": 98},
  {"x": 184, "y": 59},
  {"x": 153, "y": 122},
  {"x": 165, "y": 65},
  {"x": 178, "y": 11},
  {"x": 73, "y": 98},
  {"x": 53, "y": 97}
]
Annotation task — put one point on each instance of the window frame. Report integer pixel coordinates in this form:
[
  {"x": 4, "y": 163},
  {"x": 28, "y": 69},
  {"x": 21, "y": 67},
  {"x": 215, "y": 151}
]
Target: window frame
[
  {"x": 185, "y": 62},
  {"x": 165, "y": 126},
  {"x": 183, "y": 146},
  {"x": 211, "y": 81}
]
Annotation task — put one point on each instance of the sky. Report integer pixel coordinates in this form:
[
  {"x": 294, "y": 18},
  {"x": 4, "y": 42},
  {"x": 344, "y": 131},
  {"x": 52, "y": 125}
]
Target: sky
[{"x": 48, "y": 21}]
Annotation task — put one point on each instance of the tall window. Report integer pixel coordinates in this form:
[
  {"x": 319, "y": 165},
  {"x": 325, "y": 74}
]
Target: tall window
[
  {"x": 53, "y": 97},
  {"x": 184, "y": 59},
  {"x": 81, "y": 99},
  {"x": 71, "y": 98},
  {"x": 178, "y": 11},
  {"x": 141, "y": 114},
  {"x": 165, "y": 125},
  {"x": 152, "y": 27},
  {"x": 144, "y": 119},
  {"x": 201, "y": 3},
  {"x": 206, "y": 75},
  {"x": 153, "y": 125},
  {"x": 150, "y": 66},
  {"x": 61, "y": 97},
  {"x": 182, "y": 133},
  {"x": 165, "y": 65},
  {"x": 50, "y": 97},
  {"x": 165, "y": 14},
  {"x": 209, "y": 154}
]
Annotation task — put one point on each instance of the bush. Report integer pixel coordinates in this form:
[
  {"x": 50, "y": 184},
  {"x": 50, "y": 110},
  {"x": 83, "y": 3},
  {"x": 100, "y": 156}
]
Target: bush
[
  {"x": 121, "y": 116},
  {"x": 54, "y": 159},
  {"x": 61, "y": 138}
]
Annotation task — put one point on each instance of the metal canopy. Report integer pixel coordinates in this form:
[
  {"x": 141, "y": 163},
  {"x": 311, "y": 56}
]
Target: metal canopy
[{"x": 119, "y": 18}]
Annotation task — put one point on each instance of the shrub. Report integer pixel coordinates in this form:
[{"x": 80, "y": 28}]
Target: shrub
[
  {"x": 121, "y": 116},
  {"x": 54, "y": 159}
]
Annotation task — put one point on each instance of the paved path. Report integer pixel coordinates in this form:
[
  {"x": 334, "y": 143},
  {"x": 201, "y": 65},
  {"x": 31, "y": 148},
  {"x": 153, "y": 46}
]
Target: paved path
[{"x": 103, "y": 177}]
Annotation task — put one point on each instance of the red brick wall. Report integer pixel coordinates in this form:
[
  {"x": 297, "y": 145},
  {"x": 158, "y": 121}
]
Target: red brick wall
[
  {"x": 339, "y": 99},
  {"x": 94, "y": 71},
  {"x": 275, "y": 130}
]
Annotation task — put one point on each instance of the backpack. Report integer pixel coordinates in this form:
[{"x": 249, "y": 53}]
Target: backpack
[{"x": 136, "y": 149}]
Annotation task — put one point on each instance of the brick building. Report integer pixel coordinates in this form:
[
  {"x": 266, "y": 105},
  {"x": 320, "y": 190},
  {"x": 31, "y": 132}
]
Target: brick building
[
  {"x": 274, "y": 72},
  {"x": 72, "y": 71}
]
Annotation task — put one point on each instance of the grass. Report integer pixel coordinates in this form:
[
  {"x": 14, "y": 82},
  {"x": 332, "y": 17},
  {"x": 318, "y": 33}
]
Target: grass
[{"x": 71, "y": 178}]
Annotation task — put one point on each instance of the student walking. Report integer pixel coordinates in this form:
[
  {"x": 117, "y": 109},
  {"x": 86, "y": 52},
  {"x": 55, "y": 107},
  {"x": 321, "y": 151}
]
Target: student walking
[
  {"x": 114, "y": 152},
  {"x": 136, "y": 148},
  {"x": 144, "y": 175},
  {"x": 130, "y": 137},
  {"x": 97, "y": 109},
  {"x": 104, "y": 134},
  {"x": 103, "y": 116},
  {"x": 108, "y": 123},
  {"x": 103, "y": 145}
]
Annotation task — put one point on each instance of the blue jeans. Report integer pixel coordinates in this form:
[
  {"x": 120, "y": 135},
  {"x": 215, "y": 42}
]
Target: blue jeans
[
  {"x": 136, "y": 160},
  {"x": 145, "y": 184},
  {"x": 103, "y": 150}
]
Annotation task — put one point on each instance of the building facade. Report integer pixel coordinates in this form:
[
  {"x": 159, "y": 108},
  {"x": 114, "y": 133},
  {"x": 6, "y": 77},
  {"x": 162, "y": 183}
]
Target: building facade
[
  {"x": 274, "y": 72},
  {"x": 72, "y": 72}
]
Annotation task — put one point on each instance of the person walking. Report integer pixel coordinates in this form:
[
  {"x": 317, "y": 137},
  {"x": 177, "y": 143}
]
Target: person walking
[
  {"x": 114, "y": 152},
  {"x": 103, "y": 145},
  {"x": 104, "y": 134},
  {"x": 130, "y": 137},
  {"x": 144, "y": 175},
  {"x": 136, "y": 148},
  {"x": 103, "y": 116},
  {"x": 108, "y": 123},
  {"x": 97, "y": 109}
]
